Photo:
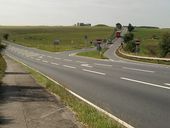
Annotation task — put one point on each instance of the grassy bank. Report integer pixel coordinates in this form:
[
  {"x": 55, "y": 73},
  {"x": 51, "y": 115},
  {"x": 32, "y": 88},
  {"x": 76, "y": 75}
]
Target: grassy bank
[
  {"x": 150, "y": 39},
  {"x": 85, "y": 113},
  {"x": 93, "y": 54},
  {"x": 2, "y": 67},
  {"x": 42, "y": 37}
]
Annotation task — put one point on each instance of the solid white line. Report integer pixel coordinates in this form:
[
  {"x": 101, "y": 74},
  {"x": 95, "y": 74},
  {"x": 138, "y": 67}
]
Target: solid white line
[
  {"x": 79, "y": 97},
  {"x": 100, "y": 73},
  {"x": 44, "y": 61},
  {"x": 67, "y": 60},
  {"x": 67, "y": 66},
  {"x": 103, "y": 65},
  {"x": 141, "y": 70},
  {"x": 146, "y": 83},
  {"x": 54, "y": 63},
  {"x": 167, "y": 84},
  {"x": 81, "y": 62}
]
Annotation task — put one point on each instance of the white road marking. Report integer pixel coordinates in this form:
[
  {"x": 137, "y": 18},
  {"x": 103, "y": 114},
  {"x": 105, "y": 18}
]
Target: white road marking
[
  {"x": 57, "y": 58},
  {"x": 67, "y": 60},
  {"x": 86, "y": 65},
  {"x": 80, "y": 62},
  {"x": 49, "y": 56},
  {"x": 67, "y": 66},
  {"x": 103, "y": 65},
  {"x": 141, "y": 70},
  {"x": 146, "y": 83},
  {"x": 44, "y": 61},
  {"x": 100, "y": 73},
  {"x": 38, "y": 59},
  {"x": 54, "y": 63},
  {"x": 167, "y": 84}
]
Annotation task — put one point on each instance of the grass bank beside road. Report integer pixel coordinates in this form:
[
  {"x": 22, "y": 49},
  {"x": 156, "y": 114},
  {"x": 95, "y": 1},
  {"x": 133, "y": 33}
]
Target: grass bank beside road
[
  {"x": 2, "y": 67},
  {"x": 71, "y": 38},
  {"x": 84, "y": 112}
]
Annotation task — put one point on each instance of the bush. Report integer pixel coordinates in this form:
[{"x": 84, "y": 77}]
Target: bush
[
  {"x": 165, "y": 45},
  {"x": 130, "y": 46},
  {"x": 128, "y": 37}
]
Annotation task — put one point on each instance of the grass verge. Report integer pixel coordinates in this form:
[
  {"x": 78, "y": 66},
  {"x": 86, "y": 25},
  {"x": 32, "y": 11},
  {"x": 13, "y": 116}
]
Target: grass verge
[
  {"x": 93, "y": 54},
  {"x": 84, "y": 112},
  {"x": 2, "y": 67}
]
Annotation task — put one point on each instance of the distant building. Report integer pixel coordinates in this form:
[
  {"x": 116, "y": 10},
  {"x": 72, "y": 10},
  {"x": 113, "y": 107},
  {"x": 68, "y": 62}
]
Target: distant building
[{"x": 83, "y": 24}]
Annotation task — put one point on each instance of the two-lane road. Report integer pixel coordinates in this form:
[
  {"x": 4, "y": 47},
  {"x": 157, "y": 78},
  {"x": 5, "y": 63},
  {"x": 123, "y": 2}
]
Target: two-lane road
[{"x": 137, "y": 93}]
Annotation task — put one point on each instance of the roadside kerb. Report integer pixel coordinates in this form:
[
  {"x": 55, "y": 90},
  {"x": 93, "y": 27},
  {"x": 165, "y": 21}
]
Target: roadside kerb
[{"x": 79, "y": 97}]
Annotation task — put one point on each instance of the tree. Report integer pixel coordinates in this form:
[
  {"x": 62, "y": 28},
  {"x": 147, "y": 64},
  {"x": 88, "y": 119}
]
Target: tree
[
  {"x": 118, "y": 26},
  {"x": 6, "y": 36},
  {"x": 130, "y": 27},
  {"x": 165, "y": 45},
  {"x": 128, "y": 37}
]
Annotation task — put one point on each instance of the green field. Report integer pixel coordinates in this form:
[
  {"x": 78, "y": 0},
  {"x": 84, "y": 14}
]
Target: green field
[
  {"x": 150, "y": 39},
  {"x": 42, "y": 37}
]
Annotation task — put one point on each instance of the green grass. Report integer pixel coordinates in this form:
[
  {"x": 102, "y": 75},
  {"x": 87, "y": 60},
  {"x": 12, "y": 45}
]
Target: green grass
[
  {"x": 2, "y": 67},
  {"x": 84, "y": 112},
  {"x": 149, "y": 46},
  {"x": 43, "y": 37},
  {"x": 93, "y": 54}
]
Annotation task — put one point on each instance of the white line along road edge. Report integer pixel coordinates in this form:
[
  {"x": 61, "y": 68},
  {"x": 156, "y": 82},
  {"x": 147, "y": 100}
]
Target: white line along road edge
[
  {"x": 141, "y": 70},
  {"x": 81, "y": 98},
  {"x": 146, "y": 83}
]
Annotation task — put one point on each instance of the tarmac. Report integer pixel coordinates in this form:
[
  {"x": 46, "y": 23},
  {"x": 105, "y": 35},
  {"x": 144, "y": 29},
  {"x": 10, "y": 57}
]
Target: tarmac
[{"x": 25, "y": 104}]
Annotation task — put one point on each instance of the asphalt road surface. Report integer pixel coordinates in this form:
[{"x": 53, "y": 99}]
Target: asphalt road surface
[{"x": 137, "y": 93}]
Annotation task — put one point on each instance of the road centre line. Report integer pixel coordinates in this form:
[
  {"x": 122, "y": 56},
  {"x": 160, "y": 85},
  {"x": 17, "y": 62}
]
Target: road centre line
[
  {"x": 103, "y": 65},
  {"x": 67, "y": 60},
  {"x": 57, "y": 58},
  {"x": 146, "y": 83},
  {"x": 67, "y": 66},
  {"x": 100, "y": 73},
  {"x": 54, "y": 63},
  {"x": 167, "y": 84},
  {"x": 80, "y": 62},
  {"x": 44, "y": 61},
  {"x": 141, "y": 70}
]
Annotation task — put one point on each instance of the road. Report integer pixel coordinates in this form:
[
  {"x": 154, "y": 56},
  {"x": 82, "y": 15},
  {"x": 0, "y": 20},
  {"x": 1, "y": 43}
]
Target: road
[{"x": 137, "y": 93}]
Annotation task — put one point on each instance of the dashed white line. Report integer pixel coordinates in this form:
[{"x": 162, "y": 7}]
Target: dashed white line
[
  {"x": 81, "y": 62},
  {"x": 167, "y": 84},
  {"x": 54, "y": 63},
  {"x": 49, "y": 56},
  {"x": 67, "y": 66},
  {"x": 141, "y": 70},
  {"x": 146, "y": 83},
  {"x": 100, "y": 73},
  {"x": 103, "y": 65},
  {"x": 44, "y": 61},
  {"x": 38, "y": 59},
  {"x": 67, "y": 60},
  {"x": 57, "y": 58}
]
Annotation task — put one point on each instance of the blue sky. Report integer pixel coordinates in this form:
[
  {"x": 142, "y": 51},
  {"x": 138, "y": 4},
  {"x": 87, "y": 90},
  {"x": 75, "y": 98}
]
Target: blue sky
[{"x": 69, "y": 12}]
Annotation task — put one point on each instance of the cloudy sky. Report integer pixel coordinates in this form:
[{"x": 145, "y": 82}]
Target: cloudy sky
[{"x": 69, "y": 12}]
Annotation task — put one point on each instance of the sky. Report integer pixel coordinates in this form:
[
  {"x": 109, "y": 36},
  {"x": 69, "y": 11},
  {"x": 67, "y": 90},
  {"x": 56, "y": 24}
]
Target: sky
[{"x": 69, "y": 12}]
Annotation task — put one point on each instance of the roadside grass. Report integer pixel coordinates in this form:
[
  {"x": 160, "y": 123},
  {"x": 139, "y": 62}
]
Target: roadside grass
[
  {"x": 84, "y": 112},
  {"x": 150, "y": 39},
  {"x": 42, "y": 37},
  {"x": 2, "y": 67}
]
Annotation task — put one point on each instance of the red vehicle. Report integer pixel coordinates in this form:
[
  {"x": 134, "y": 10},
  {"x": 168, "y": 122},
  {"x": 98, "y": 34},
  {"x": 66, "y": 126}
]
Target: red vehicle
[{"x": 118, "y": 34}]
